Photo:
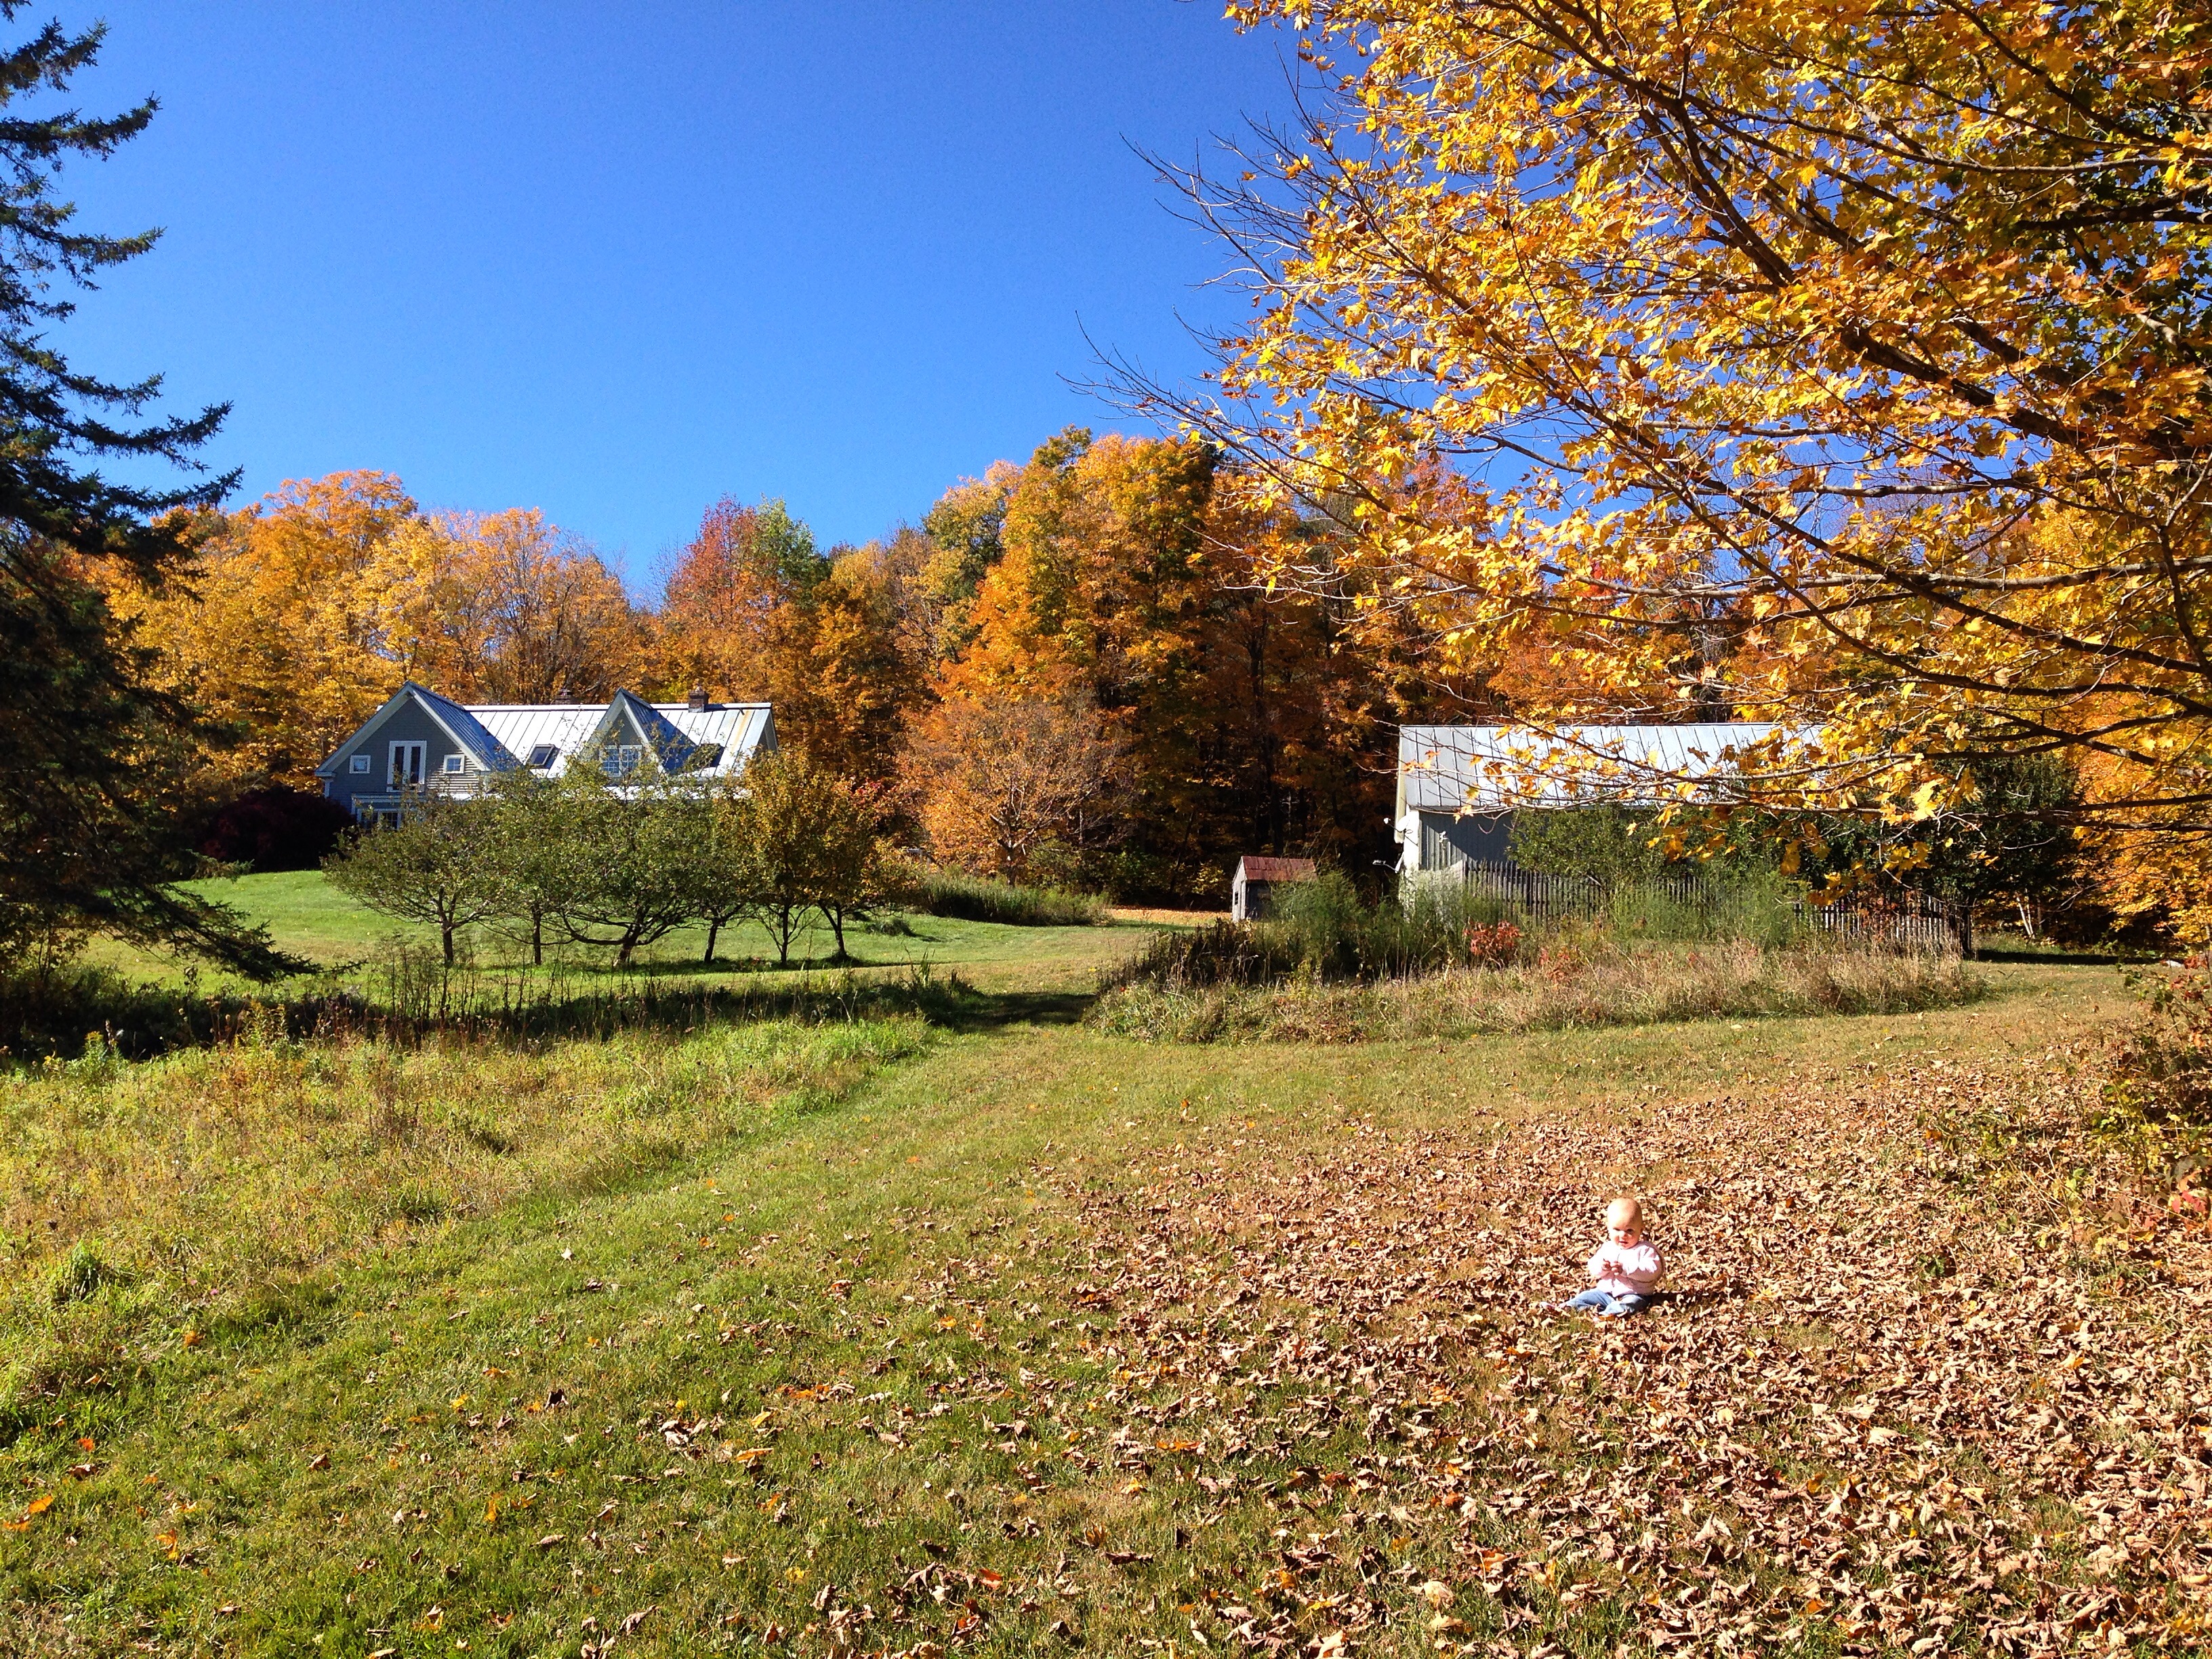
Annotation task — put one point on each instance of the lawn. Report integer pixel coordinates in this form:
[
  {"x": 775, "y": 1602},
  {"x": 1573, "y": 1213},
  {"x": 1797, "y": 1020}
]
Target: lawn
[
  {"x": 1006, "y": 1335},
  {"x": 308, "y": 916}
]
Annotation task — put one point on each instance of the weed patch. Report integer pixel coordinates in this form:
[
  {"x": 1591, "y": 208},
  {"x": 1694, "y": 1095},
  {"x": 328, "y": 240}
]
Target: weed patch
[
  {"x": 1568, "y": 985},
  {"x": 946, "y": 892}
]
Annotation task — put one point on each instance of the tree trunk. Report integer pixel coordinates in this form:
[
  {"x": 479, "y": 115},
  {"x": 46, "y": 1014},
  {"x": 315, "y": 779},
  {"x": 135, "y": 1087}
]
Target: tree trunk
[
  {"x": 783, "y": 936},
  {"x": 837, "y": 914},
  {"x": 713, "y": 933},
  {"x": 537, "y": 937},
  {"x": 446, "y": 939}
]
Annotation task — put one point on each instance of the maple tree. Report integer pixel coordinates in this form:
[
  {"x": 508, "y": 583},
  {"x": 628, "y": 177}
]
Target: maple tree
[
  {"x": 718, "y": 618},
  {"x": 308, "y": 608},
  {"x": 844, "y": 666},
  {"x": 996, "y": 780},
  {"x": 272, "y": 638},
  {"x": 1840, "y": 367},
  {"x": 504, "y": 607},
  {"x": 1114, "y": 575}
]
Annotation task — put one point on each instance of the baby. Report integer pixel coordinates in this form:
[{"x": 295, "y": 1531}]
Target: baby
[{"x": 1625, "y": 1266}]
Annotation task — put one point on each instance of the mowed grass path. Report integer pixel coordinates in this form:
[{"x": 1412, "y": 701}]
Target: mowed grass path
[{"x": 897, "y": 1362}]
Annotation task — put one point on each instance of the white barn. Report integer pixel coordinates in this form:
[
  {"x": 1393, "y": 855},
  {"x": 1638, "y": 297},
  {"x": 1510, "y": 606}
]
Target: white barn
[{"x": 1459, "y": 786}]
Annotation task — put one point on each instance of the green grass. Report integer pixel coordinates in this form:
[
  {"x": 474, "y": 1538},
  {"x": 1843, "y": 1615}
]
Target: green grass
[
  {"x": 305, "y": 915},
  {"x": 342, "y": 1350}
]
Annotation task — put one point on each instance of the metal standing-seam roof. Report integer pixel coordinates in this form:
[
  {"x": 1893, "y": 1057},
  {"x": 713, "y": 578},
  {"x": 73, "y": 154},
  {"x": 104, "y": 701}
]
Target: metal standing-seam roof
[
  {"x": 1490, "y": 768},
  {"x": 739, "y": 727},
  {"x": 477, "y": 740}
]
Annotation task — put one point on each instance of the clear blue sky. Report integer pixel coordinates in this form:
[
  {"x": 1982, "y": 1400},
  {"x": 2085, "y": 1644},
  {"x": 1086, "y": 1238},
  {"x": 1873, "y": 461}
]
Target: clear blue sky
[{"x": 619, "y": 261}]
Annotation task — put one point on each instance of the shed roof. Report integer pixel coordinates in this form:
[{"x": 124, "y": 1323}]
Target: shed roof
[
  {"x": 1449, "y": 768},
  {"x": 1253, "y": 867}
]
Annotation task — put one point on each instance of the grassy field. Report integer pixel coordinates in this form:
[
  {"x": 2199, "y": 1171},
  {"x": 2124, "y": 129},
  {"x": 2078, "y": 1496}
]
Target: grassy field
[
  {"x": 1011, "y": 1336},
  {"x": 306, "y": 916}
]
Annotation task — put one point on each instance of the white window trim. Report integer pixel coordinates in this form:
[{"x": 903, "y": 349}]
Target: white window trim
[
  {"x": 455, "y": 765},
  {"x": 361, "y": 763},
  {"x": 398, "y": 775}
]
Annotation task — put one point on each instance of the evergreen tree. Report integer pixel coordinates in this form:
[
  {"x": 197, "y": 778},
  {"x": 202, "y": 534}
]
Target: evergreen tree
[{"x": 90, "y": 794}]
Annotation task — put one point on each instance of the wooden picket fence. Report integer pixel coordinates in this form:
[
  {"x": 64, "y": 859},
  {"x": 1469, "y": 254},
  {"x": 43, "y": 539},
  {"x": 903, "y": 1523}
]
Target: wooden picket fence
[{"x": 1910, "y": 921}]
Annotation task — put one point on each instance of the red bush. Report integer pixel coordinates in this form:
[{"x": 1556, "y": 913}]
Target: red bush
[{"x": 1492, "y": 945}]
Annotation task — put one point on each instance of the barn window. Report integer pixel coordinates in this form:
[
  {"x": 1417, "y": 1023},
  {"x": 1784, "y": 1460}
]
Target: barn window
[{"x": 542, "y": 756}]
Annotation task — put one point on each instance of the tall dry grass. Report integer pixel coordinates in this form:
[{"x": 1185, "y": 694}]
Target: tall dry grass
[
  {"x": 1591, "y": 983},
  {"x": 141, "y": 1204}
]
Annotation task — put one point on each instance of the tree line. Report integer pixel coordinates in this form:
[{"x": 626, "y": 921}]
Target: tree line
[
  {"x": 1841, "y": 427},
  {"x": 1066, "y": 672},
  {"x": 619, "y": 865}
]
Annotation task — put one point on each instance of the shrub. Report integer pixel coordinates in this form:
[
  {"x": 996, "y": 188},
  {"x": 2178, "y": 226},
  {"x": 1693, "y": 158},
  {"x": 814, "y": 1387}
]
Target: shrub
[
  {"x": 1321, "y": 930},
  {"x": 1492, "y": 945},
  {"x": 61, "y": 1010},
  {"x": 2162, "y": 1067},
  {"x": 937, "y": 892},
  {"x": 278, "y": 827}
]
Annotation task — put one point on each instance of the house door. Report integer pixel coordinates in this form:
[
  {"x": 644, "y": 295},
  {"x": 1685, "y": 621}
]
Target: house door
[{"x": 408, "y": 760}]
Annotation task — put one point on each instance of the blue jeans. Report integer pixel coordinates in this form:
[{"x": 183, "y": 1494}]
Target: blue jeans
[{"x": 1606, "y": 1305}]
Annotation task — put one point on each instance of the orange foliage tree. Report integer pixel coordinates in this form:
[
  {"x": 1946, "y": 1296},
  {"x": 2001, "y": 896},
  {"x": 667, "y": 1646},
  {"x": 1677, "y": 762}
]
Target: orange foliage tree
[
  {"x": 1843, "y": 366},
  {"x": 996, "y": 780},
  {"x": 836, "y": 644},
  {"x": 1113, "y": 576},
  {"x": 310, "y": 606}
]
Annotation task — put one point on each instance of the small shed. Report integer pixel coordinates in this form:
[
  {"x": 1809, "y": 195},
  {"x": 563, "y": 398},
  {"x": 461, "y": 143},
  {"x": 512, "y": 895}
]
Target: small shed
[{"x": 1251, "y": 892}]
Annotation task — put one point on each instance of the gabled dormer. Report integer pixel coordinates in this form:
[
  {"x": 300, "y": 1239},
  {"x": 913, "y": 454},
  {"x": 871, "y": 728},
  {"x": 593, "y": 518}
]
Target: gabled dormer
[{"x": 631, "y": 729}]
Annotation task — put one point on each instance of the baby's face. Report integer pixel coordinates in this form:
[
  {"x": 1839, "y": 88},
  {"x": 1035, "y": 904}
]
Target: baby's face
[{"x": 1625, "y": 1231}]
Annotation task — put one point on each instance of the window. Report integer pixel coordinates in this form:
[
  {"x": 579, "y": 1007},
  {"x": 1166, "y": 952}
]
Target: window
[
  {"x": 454, "y": 764},
  {"x": 358, "y": 764},
  {"x": 619, "y": 760},
  {"x": 408, "y": 760},
  {"x": 542, "y": 756}
]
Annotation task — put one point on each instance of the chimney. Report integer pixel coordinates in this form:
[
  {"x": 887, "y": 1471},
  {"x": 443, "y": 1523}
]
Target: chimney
[{"x": 698, "y": 700}]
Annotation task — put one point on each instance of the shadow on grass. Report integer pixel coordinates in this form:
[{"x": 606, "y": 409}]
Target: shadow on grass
[
  {"x": 513, "y": 1008},
  {"x": 2110, "y": 956}
]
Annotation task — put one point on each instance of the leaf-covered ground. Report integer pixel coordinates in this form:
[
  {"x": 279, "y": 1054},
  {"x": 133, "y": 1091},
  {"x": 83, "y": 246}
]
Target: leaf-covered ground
[
  {"x": 1875, "y": 1411},
  {"x": 1041, "y": 1341}
]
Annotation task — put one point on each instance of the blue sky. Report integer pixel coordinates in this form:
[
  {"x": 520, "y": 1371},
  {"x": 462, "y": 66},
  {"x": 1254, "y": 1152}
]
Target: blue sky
[{"x": 617, "y": 262}]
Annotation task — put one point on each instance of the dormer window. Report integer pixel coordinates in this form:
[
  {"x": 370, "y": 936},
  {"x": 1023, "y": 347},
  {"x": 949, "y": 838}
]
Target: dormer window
[
  {"x": 542, "y": 756},
  {"x": 454, "y": 764},
  {"x": 620, "y": 760}
]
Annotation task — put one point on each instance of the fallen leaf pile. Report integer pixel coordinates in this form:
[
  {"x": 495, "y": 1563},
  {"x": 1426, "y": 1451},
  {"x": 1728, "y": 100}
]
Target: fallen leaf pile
[{"x": 1869, "y": 1414}]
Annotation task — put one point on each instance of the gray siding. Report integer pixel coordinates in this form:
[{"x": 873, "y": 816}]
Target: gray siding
[
  {"x": 409, "y": 723},
  {"x": 1447, "y": 839}
]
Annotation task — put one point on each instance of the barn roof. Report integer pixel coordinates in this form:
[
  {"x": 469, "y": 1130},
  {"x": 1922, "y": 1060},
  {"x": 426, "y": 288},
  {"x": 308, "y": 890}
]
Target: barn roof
[{"x": 1449, "y": 768}]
